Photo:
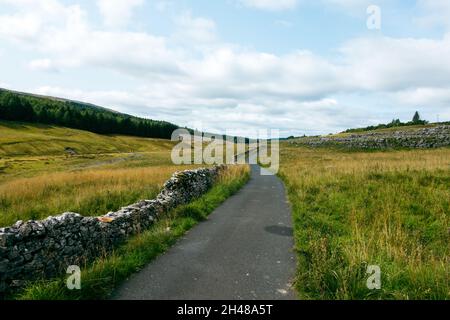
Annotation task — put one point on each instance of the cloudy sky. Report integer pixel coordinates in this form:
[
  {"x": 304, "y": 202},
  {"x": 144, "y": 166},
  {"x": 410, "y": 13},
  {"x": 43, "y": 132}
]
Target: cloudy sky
[{"x": 301, "y": 66}]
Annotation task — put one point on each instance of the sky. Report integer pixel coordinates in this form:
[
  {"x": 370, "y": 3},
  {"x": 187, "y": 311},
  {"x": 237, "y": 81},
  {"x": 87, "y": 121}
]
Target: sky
[{"x": 299, "y": 66}]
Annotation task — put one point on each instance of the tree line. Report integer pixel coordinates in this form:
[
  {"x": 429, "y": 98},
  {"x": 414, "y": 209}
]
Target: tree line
[
  {"x": 416, "y": 120},
  {"x": 27, "y": 108}
]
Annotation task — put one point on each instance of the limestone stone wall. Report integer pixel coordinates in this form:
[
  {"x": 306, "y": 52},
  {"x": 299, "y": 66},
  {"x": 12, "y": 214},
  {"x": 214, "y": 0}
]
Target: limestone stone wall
[
  {"x": 42, "y": 249},
  {"x": 433, "y": 137}
]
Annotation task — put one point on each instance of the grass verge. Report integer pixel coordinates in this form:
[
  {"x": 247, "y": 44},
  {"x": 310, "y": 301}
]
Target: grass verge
[{"x": 100, "y": 278}]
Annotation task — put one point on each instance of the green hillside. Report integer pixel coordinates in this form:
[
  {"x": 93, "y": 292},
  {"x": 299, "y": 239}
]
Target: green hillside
[
  {"x": 413, "y": 127},
  {"x": 46, "y": 170},
  {"x": 25, "y": 139},
  {"x": 29, "y": 150},
  {"x": 25, "y": 107}
]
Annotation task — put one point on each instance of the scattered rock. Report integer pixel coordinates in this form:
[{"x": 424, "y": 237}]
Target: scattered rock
[{"x": 71, "y": 151}]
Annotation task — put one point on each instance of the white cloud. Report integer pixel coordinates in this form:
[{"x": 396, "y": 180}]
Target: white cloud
[
  {"x": 271, "y": 5},
  {"x": 388, "y": 64},
  {"x": 31, "y": 16},
  {"x": 197, "y": 29},
  {"x": 351, "y": 5},
  {"x": 4, "y": 85},
  {"x": 218, "y": 115},
  {"x": 435, "y": 12},
  {"x": 117, "y": 13},
  {"x": 20, "y": 27},
  {"x": 191, "y": 75},
  {"x": 435, "y": 97},
  {"x": 283, "y": 23},
  {"x": 230, "y": 72},
  {"x": 66, "y": 39},
  {"x": 164, "y": 5},
  {"x": 48, "y": 6},
  {"x": 35, "y": 23},
  {"x": 42, "y": 65}
]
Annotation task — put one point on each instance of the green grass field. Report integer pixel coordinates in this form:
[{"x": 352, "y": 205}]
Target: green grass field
[
  {"x": 38, "y": 177},
  {"x": 22, "y": 139},
  {"x": 354, "y": 209},
  {"x": 27, "y": 150}
]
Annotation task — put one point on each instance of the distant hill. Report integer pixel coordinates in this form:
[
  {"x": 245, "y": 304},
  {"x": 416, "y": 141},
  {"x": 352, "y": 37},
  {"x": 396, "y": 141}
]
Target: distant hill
[
  {"x": 395, "y": 123},
  {"x": 20, "y": 139},
  {"x": 25, "y": 107},
  {"x": 412, "y": 136}
]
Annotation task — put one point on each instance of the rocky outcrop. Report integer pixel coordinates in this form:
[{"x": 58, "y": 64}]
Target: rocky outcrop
[
  {"x": 433, "y": 137},
  {"x": 43, "y": 249}
]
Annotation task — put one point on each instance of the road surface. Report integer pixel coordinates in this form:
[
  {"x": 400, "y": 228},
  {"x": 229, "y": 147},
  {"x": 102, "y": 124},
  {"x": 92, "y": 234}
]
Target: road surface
[{"x": 243, "y": 251}]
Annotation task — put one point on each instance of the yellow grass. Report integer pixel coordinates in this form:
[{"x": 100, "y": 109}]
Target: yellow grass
[
  {"x": 353, "y": 209},
  {"x": 24, "y": 139},
  {"x": 91, "y": 192}
]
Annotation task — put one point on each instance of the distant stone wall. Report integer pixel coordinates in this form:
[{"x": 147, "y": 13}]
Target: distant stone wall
[
  {"x": 43, "y": 249},
  {"x": 433, "y": 137}
]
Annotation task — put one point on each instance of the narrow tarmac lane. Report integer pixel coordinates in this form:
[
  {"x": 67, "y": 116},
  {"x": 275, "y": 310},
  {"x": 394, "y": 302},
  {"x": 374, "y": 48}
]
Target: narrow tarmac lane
[{"x": 243, "y": 251}]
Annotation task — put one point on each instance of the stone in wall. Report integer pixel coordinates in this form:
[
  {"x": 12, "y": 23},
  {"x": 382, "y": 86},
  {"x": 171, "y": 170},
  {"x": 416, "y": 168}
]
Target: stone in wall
[{"x": 433, "y": 137}]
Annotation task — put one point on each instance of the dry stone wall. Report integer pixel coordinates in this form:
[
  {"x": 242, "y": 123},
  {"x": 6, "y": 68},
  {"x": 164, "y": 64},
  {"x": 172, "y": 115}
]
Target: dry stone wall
[
  {"x": 43, "y": 249},
  {"x": 434, "y": 137}
]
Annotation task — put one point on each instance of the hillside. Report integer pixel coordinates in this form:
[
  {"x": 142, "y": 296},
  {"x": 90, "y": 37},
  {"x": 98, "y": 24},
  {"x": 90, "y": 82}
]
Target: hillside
[
  {"x": 30, "y": 150},
  {"x": 418, "y": 136},
  {"x": 25, "y": 139},
  {"x": 46, "y": 170},
  {"x": 18, "y": 106}
]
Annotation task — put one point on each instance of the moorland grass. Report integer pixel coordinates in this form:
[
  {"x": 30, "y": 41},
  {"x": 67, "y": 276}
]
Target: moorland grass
[
  {"x": 88, "y": 192},
  {"x": 354, "y": 209},
  {"x": 26, "y": 139},
  {"x": 99, "y": 279},
  {"x": 39, "y": 179},
  {"x": 30, "y": 150}
]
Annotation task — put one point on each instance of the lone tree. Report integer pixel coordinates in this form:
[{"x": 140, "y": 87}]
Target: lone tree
[{"x": 416, "y": 118}]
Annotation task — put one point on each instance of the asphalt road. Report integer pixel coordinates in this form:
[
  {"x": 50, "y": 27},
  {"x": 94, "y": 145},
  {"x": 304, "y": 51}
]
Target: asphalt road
[{"x": 243, "y": 251}]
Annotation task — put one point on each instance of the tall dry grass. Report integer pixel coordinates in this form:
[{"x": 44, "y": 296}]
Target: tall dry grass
[
  {"x": 354, "y": 209},
  {"x": 89, "y": 192}
]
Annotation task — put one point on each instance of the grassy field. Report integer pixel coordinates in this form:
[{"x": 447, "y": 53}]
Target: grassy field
[
  {"x": 354, "y": 209},
  {"x": 28, "y": 150},
  {"x": 99, "y": 279},
  {"x": 38, "y": 178},
  {"x": 22, "y": 139},
  {"x": 351, "y": 209},
  {"x": 88, "y": 192}
]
